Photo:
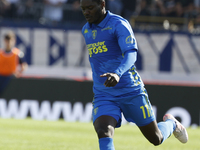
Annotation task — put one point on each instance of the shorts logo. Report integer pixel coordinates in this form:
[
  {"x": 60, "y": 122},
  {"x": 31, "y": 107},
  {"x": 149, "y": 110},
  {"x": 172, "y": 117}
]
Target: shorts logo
[
  {"x": 129, "y": 39},
  {"x": 95, "y": 110},
  {"x": 94, "y": 34}
]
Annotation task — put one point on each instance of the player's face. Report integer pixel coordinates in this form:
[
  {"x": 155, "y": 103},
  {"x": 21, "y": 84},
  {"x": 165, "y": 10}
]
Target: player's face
[
  {"x": 9, "y": 43},
  {"x": 93, "y": 12}
]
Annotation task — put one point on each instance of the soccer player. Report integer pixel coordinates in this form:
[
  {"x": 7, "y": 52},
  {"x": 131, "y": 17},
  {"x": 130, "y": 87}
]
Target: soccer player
[
  {"x": 10, "y": 60},
  {"x": 117, "y": 85}
]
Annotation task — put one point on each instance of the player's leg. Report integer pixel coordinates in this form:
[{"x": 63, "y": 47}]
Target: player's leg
[
  {"x": 106, "y": 116},
  {"x": 104, "y": 127},
  {"x": 4, "y": 81},
  {"x": 158, "y": 133},
  {"x": 164, "y": 129},
  {"x": 139, "y": 110}
]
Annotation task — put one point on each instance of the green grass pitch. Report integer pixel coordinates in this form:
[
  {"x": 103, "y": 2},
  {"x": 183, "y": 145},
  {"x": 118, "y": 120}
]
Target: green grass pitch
[{"x": 29, "y": 134}]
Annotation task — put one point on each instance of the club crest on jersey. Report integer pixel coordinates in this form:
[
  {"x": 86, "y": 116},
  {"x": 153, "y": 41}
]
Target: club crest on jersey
[
  {"x": 129, "y": 39},
  {"x": 94, "y": 34}
]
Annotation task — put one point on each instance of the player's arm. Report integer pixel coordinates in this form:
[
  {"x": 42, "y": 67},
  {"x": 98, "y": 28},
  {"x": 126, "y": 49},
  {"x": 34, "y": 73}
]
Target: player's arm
[
  {"x": 23, "y": 65},
  {"x": 130, "y": 57}
]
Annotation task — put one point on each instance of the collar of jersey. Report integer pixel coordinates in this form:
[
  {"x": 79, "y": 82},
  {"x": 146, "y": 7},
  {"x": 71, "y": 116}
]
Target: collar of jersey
[{"x": 103, "y": 22}]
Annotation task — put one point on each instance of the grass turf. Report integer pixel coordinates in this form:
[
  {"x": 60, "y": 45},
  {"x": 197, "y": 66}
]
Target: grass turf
[{"x": 30, "y": 134}]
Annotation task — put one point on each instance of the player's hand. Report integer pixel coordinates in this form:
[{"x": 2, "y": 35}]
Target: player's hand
[
  {"x": 112, "y": 79},
  {"x": 17, "y": 74}
]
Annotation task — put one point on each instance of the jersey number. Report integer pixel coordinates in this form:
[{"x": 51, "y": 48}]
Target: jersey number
[{"x": 144, "y": 112}]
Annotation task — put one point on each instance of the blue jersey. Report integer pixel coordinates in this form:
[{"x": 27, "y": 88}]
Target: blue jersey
[{"x": 106, "y": 43}]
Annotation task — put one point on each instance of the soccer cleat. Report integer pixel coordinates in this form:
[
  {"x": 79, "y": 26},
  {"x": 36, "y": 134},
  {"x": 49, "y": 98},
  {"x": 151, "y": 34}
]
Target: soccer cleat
[{"x": 180, "y": 132}]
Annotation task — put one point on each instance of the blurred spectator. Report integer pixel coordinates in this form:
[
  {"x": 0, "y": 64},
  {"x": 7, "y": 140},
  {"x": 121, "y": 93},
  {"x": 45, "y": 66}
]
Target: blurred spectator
[
  {"x": 11, "y": 9},
  {"x": 176, "y": 8},
  {"x": 72, "y": 12},
  {"x": 10, "y": 58},
  {"x": 184, "y": 7},
  {"x": 115, "y": 6},
  {"x": 129, "y": 8},
  {"x": 68, "y": 11},
  {"x": 53, "y": 11},
  {"x": 144, "y": 8},
  {"x": 167, "y": 7},
  {"x": 197, "y": 10},
  {"x": 149, "y": 8},
  {"x": 197, "y": 5},
  {"x": 3, "y": 7},
  {"x": 30, "y": 9}
]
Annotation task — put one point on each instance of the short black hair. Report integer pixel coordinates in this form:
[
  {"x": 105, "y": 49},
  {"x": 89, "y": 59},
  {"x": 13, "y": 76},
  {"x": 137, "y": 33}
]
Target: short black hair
[{"x": 9, "y": 35}]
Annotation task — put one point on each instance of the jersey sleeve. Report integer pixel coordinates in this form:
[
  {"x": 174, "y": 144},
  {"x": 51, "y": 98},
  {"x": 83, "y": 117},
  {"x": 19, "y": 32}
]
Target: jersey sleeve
[
  {"x": 129, "y": 59},
  {"x": 125, "y": 36}
]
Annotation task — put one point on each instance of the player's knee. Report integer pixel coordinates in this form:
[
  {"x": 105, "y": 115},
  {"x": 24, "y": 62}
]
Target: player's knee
[
  {"x": 157, "y": 140},
  {"x": 105, "y": 132}
]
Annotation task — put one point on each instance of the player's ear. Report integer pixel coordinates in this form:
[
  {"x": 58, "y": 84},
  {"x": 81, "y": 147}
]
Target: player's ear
[{"x": 103, "y": 4}]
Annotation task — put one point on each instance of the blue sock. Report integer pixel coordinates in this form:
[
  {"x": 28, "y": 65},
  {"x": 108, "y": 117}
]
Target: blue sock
[
  {"x": 106, "y": 144},
  {"x": 167, "y": 128}
]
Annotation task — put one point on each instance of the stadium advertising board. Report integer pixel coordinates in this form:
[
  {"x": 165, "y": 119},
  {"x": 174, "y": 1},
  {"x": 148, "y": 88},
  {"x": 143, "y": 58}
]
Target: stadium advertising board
[
  {"x": 162, "y": 55},
  {"x": 52, "y": 99}
]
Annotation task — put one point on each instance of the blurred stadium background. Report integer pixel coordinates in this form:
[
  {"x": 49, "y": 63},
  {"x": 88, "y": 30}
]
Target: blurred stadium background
[{"x": 58, "y": 82}]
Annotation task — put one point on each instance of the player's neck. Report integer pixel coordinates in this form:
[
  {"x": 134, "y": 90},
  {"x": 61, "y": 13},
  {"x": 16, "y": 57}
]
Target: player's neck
[
  {"x": 8, "y": 49},
  {"x": 103, "y": 15}
]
